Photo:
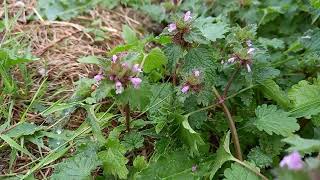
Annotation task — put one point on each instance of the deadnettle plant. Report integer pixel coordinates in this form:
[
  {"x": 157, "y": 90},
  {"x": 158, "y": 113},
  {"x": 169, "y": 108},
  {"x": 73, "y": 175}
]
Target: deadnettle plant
[
  {"x": 193, "y": 82},
  {"x": 123, "y": 74}
]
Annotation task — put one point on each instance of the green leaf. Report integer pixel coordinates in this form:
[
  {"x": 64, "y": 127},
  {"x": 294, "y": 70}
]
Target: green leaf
[
  {"x": 154, "y": 60},
  {"x": 139, "y": 163},
  {"x": 23, "y": 129},
  {"x": 77, "y": 167},
  {"x": 173, "y": 166},
  {"x": 89, "y": 60},
  {"x": 113, "y": 159},
  {"x": 129, "y": 35},
  {"x": 239, "y": 172},
  {"x": 102, "y": 91},
  {"x": 306, "y": 99},
  {"x": 133, "y": 140},
  {"x": 137, "y": 98},
  {"x": 274, "y": 43},
  {"x": 302, "y": 145},
  {"x": 272, "y": 91},
  {"x": 214, "y": 31},
  {"x": 315, "y": 3},
  {"x": 259, "y": 158},
  {"x": 195, "y": 36},
  {"x": 273, "y": 120},
  {"x": 156, "y": 12},
  {"x": 173, "y": 52}
]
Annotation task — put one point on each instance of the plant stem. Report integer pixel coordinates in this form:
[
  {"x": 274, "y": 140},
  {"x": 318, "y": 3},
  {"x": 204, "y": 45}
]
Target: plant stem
[
  {"x": 127, "y": 114},
  {"x": 250, "y": 168},
  {"x": 232, "y": 126},
  {"x": 225, "y": 93}
]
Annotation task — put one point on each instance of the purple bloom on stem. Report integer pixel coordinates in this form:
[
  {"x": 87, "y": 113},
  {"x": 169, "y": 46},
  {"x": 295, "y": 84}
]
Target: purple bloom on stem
[
  {"x": 293, "y": 161},
  {"x": 98, "y": 77},
  {"x": 172, "y": 27},
  {"x": 248, "y": 68},
  {"x": 196, "y": 73},
  {"x": 136, "y": 68},
  {"x": 125, "y": 65},
  {"x": 187, "y": 16},
  {"x": 114, "y": 58},
  {"x": 185, "y": 89},
  {"x": 231, "y": 60},
  {"x": 136, "y": 82},
  {"x": 251, "y": 50},
  {"x": 194, "y": 168},
  {"x": 119, "y": 87}
]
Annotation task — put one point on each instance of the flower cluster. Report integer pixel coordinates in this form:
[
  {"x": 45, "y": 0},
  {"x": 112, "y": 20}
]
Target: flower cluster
[
  {"x": 192, "y": 83},
  {"x": 122, "y": 74},
  {"x": 245, "y": 62},
  {"x": 186, "y": 18}
]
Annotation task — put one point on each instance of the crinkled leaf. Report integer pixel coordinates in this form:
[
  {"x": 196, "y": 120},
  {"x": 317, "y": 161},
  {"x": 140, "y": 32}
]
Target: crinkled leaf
[
  {"x": 273, "y": 120},
  {"x": 137, "y": 98},
  {"x": 259, "y": 158},
  {"x": 214, "y": 31},
  {"x": 133, "y": 140},
  {"x": 306, "y": 99},
  {"x": 239, "y": 172},
  {"x": 302, "y": 145}
]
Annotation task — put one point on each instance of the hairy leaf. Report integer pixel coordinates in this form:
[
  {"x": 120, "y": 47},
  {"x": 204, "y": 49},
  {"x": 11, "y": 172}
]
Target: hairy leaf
[
  {"x": 302, "y": 145},
  {"x": 239, "y": 172}
]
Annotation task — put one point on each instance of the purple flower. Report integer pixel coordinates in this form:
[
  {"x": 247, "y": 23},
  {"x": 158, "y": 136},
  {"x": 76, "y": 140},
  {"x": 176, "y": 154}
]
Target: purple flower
[
  {"x": 251, "y": 50},
  {"x": 293, "y": 161},
  {"x": 194, "y": 168},
  {"x": 248, "y": 68},
  {"x": 231, "y": 60},
  {"x": 136, "y": 68},
  {"x": 114, "y": 58},
  {"x": 119, "y": 87},
  {"x": 249, "y": 43},
  {"x": 98, "y": 77},
  {"x": 187, "y": 16},
  {"x": 196, "y": 73},
  {"x": 185, "y": 89},
  {"x": 136, "y": 82},
  {"x": 125, "y": 65},
  {"x": 111, "y": 77},
  {"x": 172, "y": 27}
]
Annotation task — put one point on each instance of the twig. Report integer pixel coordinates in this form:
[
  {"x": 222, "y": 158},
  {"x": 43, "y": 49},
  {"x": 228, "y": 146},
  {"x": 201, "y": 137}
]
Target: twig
[
  {"x": 127, "y": 114},
  {"x": 232, "y": 126}
]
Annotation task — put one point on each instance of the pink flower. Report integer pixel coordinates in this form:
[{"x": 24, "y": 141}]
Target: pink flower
[
  {"x": 196, "y": 73},
  {"x": 187, "y": 16},
  {"x": 248, "y": 68},
  {"x": 194, "y": 168},
  {"x": 111, "y": 77},
  {"x": 185, "y": 89},
  {"x": 172, "y": 27},
  {"x": 293, "y": 161},
  {"x": 119, "y": 87},
  {"x": 136, "y": 82},
  {"x": 98, "y": 77},
  {"x": 125, "y": 65},
  {"x": 251, "y": 51},
  {"x": 136, "y": 68},
  {"x": 114, "y": 58},
  {"x": 231, "y": 60}
]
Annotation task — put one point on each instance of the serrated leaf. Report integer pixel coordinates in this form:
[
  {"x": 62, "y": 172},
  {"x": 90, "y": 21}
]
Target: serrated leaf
[
  {"x": 133, "y": 140},
  {"x": 102, "y": 91},
  {"x": 173, "y": 52},
  {"x": 154, "y": 60},
  {"x": 129, "y": 35},
  {"x": 137, "y": 98},
  {"x": 77, "y": 167},
  {"x": 214, "y": 31},
  {"x": 273, "y": 120},
  {"x": 195, "y": 36},
  {"x": 156, "y": 12},
  {"x": 302, "y": 145},
  {"x": 274, "y": 43},
  {"x": 139, "y": 163},
  {"x": 306, "y": 99},
  {"x": 272, "y": 91},
  {"x": 259, "y": 158},
  {"x": 239, "y": 172},
  {"x": 173, "y": 166},
  {"x": 113, "y": 159}
]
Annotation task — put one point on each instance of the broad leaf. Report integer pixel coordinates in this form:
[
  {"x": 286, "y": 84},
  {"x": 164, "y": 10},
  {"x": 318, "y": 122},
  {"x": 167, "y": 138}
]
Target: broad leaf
[
  {"x": 239, "y": 172},
  {"x": 214, "y": 31},
  {"x": 129, "y": 35},
  {"x": 302, "y": 145},
  {"x": 137, "y": 98},
  {"x": 154, "y": 60},
  {"x": 273, "y": 120}
]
